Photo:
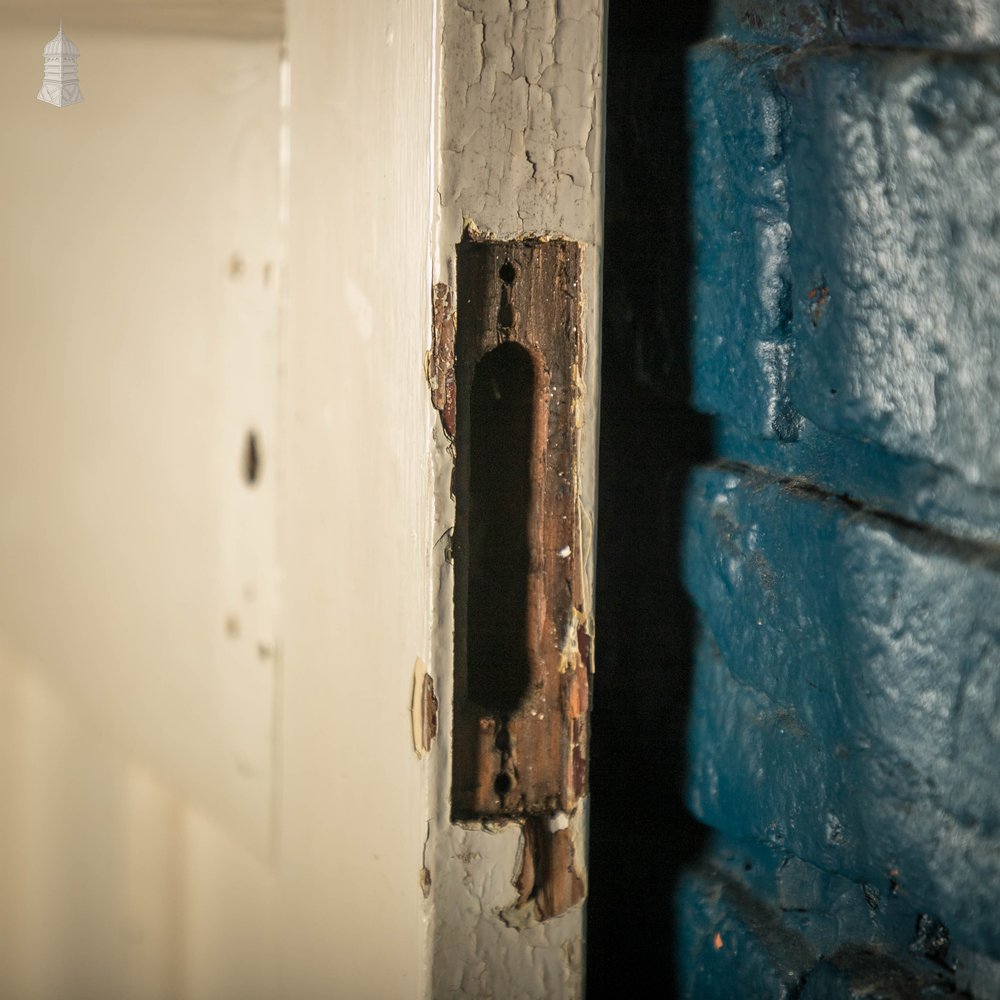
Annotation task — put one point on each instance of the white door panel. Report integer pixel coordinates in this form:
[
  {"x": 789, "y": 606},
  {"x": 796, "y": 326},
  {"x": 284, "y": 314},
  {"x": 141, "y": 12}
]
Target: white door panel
[{"x": 139, "y": 308}]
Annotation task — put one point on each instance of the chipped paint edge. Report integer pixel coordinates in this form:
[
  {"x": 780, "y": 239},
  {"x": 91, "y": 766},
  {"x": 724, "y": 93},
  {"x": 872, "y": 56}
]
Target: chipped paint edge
[{"x": 474, "y": 951}]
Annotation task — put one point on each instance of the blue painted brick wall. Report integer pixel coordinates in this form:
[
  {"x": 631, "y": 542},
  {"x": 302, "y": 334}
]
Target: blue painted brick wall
[
  {"x": 844, "y": 551},
  {"x": 847, "y": 692},
  {"x": 756, "y": 921},
  {"x": 895, "y": 251}
]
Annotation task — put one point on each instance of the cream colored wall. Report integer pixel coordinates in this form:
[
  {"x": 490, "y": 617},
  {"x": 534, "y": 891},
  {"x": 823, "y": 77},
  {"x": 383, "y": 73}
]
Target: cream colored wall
[{"x": 207, "y": 782}]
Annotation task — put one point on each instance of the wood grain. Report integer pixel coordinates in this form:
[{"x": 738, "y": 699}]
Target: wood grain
[{"x": 529, "y": 758}]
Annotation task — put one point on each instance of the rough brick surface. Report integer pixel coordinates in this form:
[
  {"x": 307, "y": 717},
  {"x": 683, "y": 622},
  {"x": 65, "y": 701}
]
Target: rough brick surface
[
  {"x": 955, "y": 23},
  {"x": 823, "y": 908},
  {"x": 848, "y": 259},
  {"x": 758, "y": 921},
  {"x": 897, "y": 485},
  {"x": 733, "y": 944},
  {"x": 742, "y": 299},
  {"x": 894, "y": 164},
  {"x": 850, "y": 673},
  {"x": 857, "y": 974},
  {"x": 844, "y": 552}
]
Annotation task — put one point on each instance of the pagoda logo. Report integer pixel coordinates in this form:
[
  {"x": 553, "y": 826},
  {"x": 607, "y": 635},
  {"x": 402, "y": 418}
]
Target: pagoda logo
[{"x": 60, "y": 86}]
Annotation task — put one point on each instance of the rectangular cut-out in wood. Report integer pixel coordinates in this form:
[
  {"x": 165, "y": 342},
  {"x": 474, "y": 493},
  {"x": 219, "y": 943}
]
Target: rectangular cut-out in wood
[{"x": 521, "y": 640}]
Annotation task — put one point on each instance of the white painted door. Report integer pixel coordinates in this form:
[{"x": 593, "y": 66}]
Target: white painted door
[
  {"x": 223, "y": 487},
  {"x": 209, "y": 785}
]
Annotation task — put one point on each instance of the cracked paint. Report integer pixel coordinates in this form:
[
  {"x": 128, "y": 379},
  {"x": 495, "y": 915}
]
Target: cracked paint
[
  {"x": 522, "y": 97},
  {"x": 521, "y": 154}
]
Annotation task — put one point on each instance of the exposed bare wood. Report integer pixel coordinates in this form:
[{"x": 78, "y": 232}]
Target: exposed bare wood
[
  {"x": 441, "y": 358},
  {"x": 548, "y": 879},
  {"x": 521, "y": 676}
]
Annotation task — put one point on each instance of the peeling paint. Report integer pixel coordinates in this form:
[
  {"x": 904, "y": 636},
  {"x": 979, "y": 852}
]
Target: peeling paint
[
  {"x": 441, "y": 357},
  {"x": 423, "y": 709},
  {"x": 548, "y": 883},
  {"x": 521, "y": 153},
  {"x": 522, "y": 100}
]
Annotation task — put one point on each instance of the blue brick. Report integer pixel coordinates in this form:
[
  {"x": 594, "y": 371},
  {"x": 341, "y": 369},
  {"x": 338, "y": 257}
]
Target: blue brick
[
  {"x": 847, "y": 250},
  {"x": 844, "y": 555},
  {"x": 734, "y": 943},
  {"x": 731, "y": 945},
  {"x": 742, "y": 307},
  {"x": 847, "y": 691},
  {"x": 968, "y": 24},
  {"x": 907, "y": 487},
  {"x": 759, "y": 773},
  {"x": 858, "y": 974},
  {"x": 977, "y": 974},
  {"x": 823, "y": 908},
  {"x": 894, "y": 165}
]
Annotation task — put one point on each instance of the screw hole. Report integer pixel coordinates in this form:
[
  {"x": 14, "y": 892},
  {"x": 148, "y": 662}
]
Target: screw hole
[
  {"x": 503, "y": 784},
  {"x": 251, "y": 459},
  {"x": 508, "y": 273}
]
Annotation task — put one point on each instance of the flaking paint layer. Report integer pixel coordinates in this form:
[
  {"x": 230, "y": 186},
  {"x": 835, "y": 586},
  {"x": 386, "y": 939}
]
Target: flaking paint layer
[
  {"x": 521, "y": 151},
  {"x": 522, "y": 100}
]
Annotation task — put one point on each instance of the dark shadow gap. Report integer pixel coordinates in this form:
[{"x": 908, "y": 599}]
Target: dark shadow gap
[{"x": 641, "y": 836}]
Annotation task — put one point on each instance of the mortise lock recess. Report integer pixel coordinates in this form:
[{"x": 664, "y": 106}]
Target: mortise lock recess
[{"x": 522, "y": 644}]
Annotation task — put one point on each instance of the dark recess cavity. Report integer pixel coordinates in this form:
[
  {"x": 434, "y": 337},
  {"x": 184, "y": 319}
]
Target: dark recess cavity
[
  {"x": 641, "y": 835},
  {"x": 502, "y": 432}
]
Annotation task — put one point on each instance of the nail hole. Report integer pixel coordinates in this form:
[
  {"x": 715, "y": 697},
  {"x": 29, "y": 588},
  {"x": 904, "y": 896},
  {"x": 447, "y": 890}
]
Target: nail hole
[
  {"x": 251, "y": 459},
  {"x": 508, "y": 273},
  {"x": 503, "y": 784},
  {"x": 506, "y": 317}
]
